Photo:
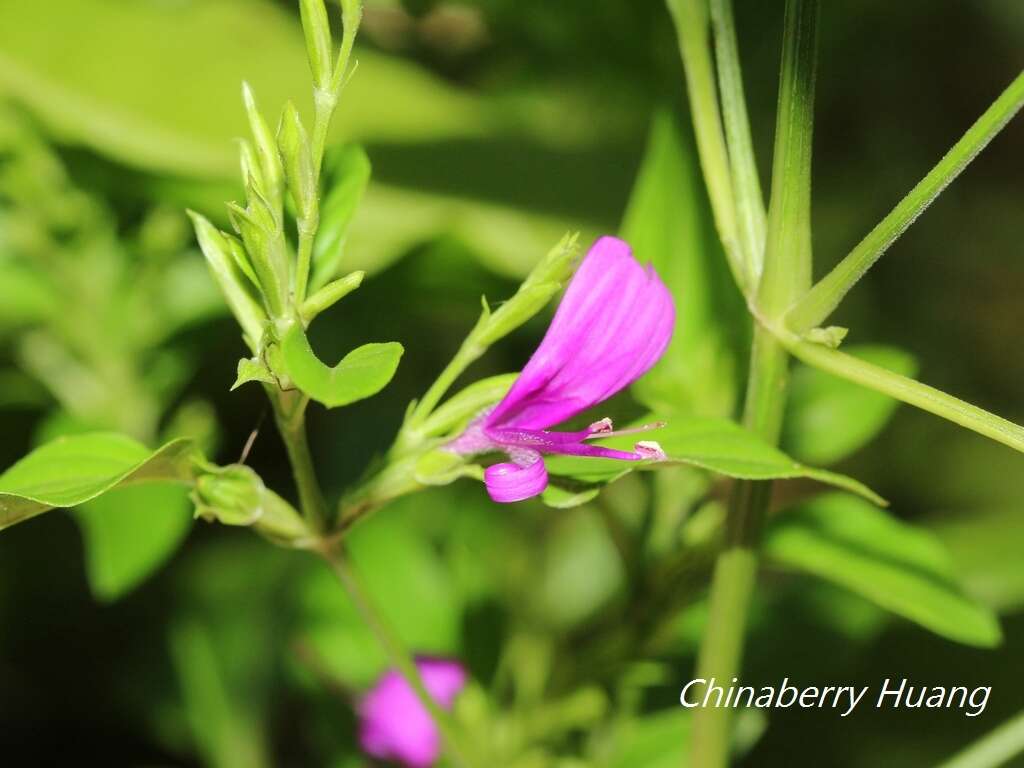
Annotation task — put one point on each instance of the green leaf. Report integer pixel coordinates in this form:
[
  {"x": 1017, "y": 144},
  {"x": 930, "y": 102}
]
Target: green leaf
[
  {"x": 363, "y": 372},
  {"x": 252, "y": 369},
  {"x": 665, "y": 223},
  {"x": 130, "y": 532},
  {"x": 718, "y": 445},
  {"x": 830, "y": 418},
  {"x": 154, "y": 86},
  {"x": 900, "y": 567},
  {"x": 349, "y": 171},
  {"x": 72, "y": 470}
]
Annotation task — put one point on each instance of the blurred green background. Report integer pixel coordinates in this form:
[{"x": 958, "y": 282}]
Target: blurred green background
[{"x": 492, "y": 127}]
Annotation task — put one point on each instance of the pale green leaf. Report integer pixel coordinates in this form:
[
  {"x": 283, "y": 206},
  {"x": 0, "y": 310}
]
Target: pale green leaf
[
  {"x": 829, "y": 418},
  {"x": 718, "y": 445},
  {"x": 72, "y": 470},
  {"x": 665, "y": 225},
  {"x": 130, "y": 532},
  {"x": 363, "y": 372},
  {"x": 900, "y": 567}
]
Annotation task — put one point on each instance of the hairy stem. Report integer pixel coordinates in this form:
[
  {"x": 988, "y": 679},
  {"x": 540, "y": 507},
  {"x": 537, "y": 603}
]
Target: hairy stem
[
  {"x": 908, "y": 390},
  {"x": 814, "y": 308},
  {"x": 397, "y": 654}
]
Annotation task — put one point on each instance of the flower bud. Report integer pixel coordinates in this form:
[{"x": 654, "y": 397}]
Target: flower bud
[
  {"x": 217, "y": 250},
  {"x": 318, "y": 41},
  {"x": 293, "y": 142},
  {"x": 266, "y": 151}
]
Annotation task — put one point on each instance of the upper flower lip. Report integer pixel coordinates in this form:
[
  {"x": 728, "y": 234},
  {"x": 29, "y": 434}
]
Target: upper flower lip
[{"x": 614, "y": 322}]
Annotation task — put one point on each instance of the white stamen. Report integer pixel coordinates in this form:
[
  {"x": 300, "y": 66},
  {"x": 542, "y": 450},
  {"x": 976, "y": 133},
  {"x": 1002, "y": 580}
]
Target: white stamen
[
  {"x": 650, "y": 449},
  {"x": 602, "y": 427}
]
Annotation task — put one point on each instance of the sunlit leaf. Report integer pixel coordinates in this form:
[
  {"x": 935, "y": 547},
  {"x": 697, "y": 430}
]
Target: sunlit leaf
[
  {"x": 72, "y": 470},
  {"x": 829, "y": 418},
  {"x": 718, "y": 445},
  {"x": 157, "y": 84},
  {"x": 902, "y": 568},
  {"x": 130, "y": 532},
  {"x": 363, "y": 372}
]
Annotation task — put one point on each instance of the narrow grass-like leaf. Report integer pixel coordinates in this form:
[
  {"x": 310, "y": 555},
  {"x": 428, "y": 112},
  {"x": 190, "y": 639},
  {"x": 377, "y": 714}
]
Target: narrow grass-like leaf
[
  {"x": 814, "y": 308},
  {"x": 75, "y": 469},
  {"x": 898, "y": 566},
  {"x": 787, "y": 257},
  {"x": 908, "y": 390},
  {"x": 750, "y": 212},
  {"x": 691, "y": 22},
  {"x": 363, "y": 372}
]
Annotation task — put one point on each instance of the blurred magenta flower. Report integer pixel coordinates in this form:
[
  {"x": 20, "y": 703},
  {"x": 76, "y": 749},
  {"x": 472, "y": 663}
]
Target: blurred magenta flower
[
  {"x": 613, "y": 324},
  {"x": 394, "y": 725}
]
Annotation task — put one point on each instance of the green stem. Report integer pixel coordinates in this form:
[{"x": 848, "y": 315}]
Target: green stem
[
  {"x": 398, "y": 656},
  {"x": 908, "y": 390},
  {"x": 814, "y": 308},
  {"x": 325, "y": 101},
  {"x": 290, "y": 415},
  {"x": 735, "y": 573},
  {"x": 995, "y": 748},
  {"x": 691, "y": 21},
  {"x": 750, "y": 210}
]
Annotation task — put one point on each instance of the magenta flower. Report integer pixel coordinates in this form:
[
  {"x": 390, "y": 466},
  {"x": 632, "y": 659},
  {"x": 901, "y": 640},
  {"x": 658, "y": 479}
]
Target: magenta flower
[
  {"x": 394, "y": 725},
  {"x": 613, "y": 324}
]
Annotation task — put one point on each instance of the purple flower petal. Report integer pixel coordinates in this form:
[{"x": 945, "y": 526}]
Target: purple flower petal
[
  {"x": 523, "y": 479},
  {"x": 394, "y": 725},
  {"x": 614, "y": 322}
]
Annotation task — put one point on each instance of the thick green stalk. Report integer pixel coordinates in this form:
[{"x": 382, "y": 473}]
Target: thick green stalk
[
  {"x": 735, "y": 573},
  {"x": 787, "y": 256},
  {"x": 814, "y": 308},
  {"x": 397, "y": 654},
  {"x": 906, "y": 389},
  {"x": 750, "y": 212},
  {"x": 691, "y": 20}
]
